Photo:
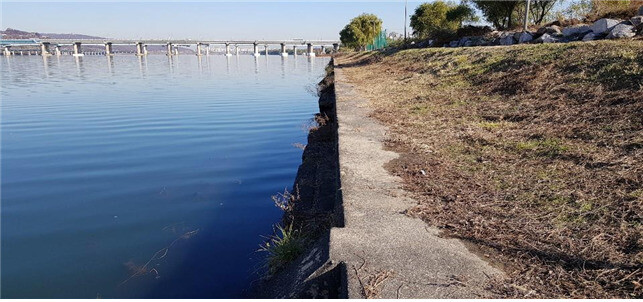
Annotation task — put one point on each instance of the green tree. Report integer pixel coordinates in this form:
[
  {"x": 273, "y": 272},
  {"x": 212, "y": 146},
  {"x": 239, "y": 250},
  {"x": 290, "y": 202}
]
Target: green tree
[
  {"x": 540, "y": 9},
  {"x": 431, "y": 19},
  {"x": 498, "y": 13},
  {"x": 361, "y": 31},
  {"x": 578, "y": 9}
]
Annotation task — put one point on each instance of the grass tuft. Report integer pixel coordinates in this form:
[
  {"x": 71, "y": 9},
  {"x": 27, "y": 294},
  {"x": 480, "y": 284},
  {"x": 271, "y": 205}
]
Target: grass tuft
[{"x": 285, "y": 245}]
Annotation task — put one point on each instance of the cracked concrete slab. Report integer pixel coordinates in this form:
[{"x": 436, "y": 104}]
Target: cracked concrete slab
[{"x": 388, "y": 254}]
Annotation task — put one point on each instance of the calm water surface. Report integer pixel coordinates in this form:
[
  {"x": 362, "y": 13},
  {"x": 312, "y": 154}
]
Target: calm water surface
[{"x": 145, "y": 177}]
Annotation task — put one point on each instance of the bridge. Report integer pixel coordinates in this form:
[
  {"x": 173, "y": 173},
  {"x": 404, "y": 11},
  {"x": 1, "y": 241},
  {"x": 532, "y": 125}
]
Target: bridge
[{"x": 45, "y": 45}]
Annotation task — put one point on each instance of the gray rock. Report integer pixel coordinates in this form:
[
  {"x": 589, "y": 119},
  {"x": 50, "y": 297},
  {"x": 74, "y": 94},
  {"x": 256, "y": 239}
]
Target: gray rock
[
  {"x": 517, "y": 36},
  {"x": 637, "y": 20},
  {"x": 482, "y": 41},
  {"x": 604, "y": 25},
  {"x": 576, "y": 30},
  {"x": 621, "y": 31},
  {"x": 546, "y": 38},
  {"x": 507, "y": 40},
  {"x": 590, "y": 36},
  {"x": 453, "y": 43},
  {"x": 641, "y": 10},
  {"x": 552, "y": 30},
  {"x": 525, "y": 37},
  {"x": 465, "y": 42}
]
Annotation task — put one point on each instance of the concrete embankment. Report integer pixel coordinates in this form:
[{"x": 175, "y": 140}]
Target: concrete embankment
[
  {"x": 367, "y": 247},
  {"x": 387, "y": 253}
]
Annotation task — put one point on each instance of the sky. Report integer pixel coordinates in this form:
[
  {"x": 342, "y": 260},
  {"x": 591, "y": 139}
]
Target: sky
[{"x": 218, "y": 20}]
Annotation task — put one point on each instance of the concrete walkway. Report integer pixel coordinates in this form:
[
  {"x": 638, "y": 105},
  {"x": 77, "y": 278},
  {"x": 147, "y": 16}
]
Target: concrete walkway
[{"x": 387, "y": 253}]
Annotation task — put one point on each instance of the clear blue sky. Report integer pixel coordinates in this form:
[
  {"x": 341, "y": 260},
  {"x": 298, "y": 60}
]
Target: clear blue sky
[{"x": 199, "y": 20}]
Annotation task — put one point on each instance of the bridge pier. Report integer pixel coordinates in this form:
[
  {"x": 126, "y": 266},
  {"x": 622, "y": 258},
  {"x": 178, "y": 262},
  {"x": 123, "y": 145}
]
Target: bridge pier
[
  {"x": 108, "y": 49},
  {"x": 207, "y": 50},
  {"x": 170, "y": 51},
  {"x": 227, "y": 50},
  {"x": 266, "y": 49},
  {"x": 283, "y": 50},
  {"x": 294, "y": 50},
  {"x": 236, "y": 49},
  {"x": 139, "y": 49},
  {"x": 7, "y": 51},
  {"x": 198, "y": 49},
  {"x": 44, "y": 49},
  {"x": 336, "y": 47},
  {"x": 309, "y": 50},
  {"x": 57, "y": 50},
  {"x": 323, "y": 50},
  {"x": 77, "y": 50},
  {"x": 256, "y": 50},
  {"x": 145, "y": 49}
]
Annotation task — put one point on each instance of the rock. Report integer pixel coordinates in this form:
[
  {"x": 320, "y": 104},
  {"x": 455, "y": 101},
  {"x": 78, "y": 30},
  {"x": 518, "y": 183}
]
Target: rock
[
  {"x": 546, "y": 38},
  {"x": 453, "y": 44},
  {"x": 479, "y": 41},
  {"x": 590, "y": 36},
  {"x": 637, "y": 20},
  {"x": 495, "y": 34},
  {"x": 465, "y": 42},
  {"x": 552, "y": 30},
  {"x": 604, "y": 25},
  {"x": 525, "y": 37},
  {"x": 641, "y": 10},
  {"x": 621, "y": 31},
  {"x": 576, "y": 30},
  {"x": 517, "y": 36},
  {"x": 506, "y": 38}
]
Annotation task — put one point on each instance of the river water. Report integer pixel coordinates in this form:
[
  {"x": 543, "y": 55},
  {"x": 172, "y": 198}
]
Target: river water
[{"x": 146, "y": 176}]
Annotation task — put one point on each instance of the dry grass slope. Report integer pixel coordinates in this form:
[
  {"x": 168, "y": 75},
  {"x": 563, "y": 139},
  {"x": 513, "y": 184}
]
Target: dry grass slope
[{"x": 533, "y": 152}]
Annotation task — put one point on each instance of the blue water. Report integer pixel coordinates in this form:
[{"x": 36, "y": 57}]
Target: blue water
[{"x": 109, "y": 164}]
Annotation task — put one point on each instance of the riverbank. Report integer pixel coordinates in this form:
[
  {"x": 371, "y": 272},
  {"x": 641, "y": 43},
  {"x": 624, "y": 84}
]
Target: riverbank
[
  {"x": 530, "y": 153},
  {"x": 299, "y": 266},
  {"x": 387, "y": 253},
  {"x": 351, "y": 211}
]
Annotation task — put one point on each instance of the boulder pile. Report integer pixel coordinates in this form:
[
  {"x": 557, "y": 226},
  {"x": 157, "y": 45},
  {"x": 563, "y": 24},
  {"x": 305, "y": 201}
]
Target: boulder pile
[{"x": 601, "y": 29}]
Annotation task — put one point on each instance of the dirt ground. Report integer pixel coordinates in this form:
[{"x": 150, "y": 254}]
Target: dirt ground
[{"x": 531, "y": 153}]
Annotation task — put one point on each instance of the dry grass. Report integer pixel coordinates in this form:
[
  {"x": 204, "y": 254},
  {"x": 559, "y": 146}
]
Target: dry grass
[{"x": 532, "y": 151}]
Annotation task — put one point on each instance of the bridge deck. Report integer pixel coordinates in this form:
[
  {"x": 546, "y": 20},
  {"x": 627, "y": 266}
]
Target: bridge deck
[{"x": 163, "y": 42}]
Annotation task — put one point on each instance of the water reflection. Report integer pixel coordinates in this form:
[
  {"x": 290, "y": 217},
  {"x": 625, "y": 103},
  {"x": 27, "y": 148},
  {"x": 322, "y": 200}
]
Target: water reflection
[
  {"x": 256, "y": 60},
  {"x": 283, "y": 67},
  {"x": 98, "y": 160},
  {"x": 142, "y": 65},
  {"x": 110, "y": 64},
  {"x": 170, "y": 60},
  {"x": 79, "y": 66},
  {"x": 199, "y": 60},
  {"x": 311, "y": 63}
]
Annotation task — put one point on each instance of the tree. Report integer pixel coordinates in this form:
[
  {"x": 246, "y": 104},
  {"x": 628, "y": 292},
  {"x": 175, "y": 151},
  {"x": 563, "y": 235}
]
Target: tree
[
  {"x": 578, "y": 9},
  {"x": 498, "y": 13},
  {"x": 540, "y": 9},
  {"x": 361, "y": 31},
  {"x": 431, "y": 19}
]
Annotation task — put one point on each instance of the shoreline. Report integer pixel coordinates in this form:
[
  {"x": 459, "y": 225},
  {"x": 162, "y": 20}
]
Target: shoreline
[{"x": 366, "y": 245}]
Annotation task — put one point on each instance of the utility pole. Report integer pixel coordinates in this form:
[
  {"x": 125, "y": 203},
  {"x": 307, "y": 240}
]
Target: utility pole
[
  {"x": 526, "y": 23},
  {"x": 406, "y": 3}
]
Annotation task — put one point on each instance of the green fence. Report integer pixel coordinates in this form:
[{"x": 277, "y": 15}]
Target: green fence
[{"x": 379, "y": 42}]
